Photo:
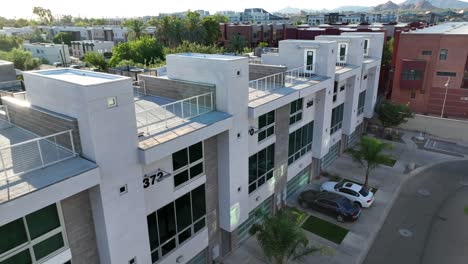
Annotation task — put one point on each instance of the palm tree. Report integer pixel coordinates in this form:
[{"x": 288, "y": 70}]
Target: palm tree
[
  {"x": 369, "y": 154},
  {"x": 236, "y": 44},
  {"x": 282, "y": 239},
  {"x": 135, "y": 26}
]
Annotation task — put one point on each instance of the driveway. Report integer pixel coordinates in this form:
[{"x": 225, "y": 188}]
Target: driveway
[{"x": 427, "y": 223}]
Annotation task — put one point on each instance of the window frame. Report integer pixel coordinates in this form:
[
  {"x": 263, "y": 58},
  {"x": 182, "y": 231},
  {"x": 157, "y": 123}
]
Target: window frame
[
  {"x": 443, "y": 54},
  {"x": 306, "y": 59},
  {"x": 307, "y": 133},
  {"x": 366, "y": 46},
  {"x": 446, "y": 74},
  {"x": 31, "y": 243},
  {"x": 339, "y": 59},
  {"x": 175, "y": 237},
  {"x": 426, "y": 52},
  {"x": 267, "y": 175},
  {"x": 361, "y": 104},
  {"x": 336, "y": 126},
  {"x": 296, "y": 116},
  {"x": 411, "y": 75},
  {"x": 188, "y": 166},
  {"x": 265, "y": 129}
]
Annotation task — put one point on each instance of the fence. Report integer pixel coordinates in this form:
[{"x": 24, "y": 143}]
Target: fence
[
  {"x": 176, "y": 112},
  {"x": 283, "y": 79}
]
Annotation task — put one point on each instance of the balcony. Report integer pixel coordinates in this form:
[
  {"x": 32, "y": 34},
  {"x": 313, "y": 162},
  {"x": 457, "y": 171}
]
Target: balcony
[{"x": 29, "y": 162}]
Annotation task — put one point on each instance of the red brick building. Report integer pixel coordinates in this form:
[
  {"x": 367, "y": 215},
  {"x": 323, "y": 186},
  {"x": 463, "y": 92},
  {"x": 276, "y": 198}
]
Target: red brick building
[{"x": 429, "y": 63}]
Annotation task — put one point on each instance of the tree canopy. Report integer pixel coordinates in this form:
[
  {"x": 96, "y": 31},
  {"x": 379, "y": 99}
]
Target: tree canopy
[
  {"x": 97, "y": 60},
  {"x": 45, "y": 15},
  {"x": 66, "y": 37},
  {"x": 194, "y": 48},
  {"x": 393, "y": 114},
  {"x": 237, "y": 44},
  {"x": 8, "y": 43},
  {"x": 145, "y": 50},
  {"x": 135, "y": 27},
  {"x": 22, "y": 60}
]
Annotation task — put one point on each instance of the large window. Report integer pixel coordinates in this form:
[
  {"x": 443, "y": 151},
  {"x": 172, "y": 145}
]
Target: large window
[
  {"x": 310, "y": 61},
  {"x": 361, "y": 102},
  {"x": 261, "y": 167},
  {"x": 266, "y": 125},
  {"x": 335, "y": 92},
  {"x": 300, "y": 142},
  {"x": 443, "y": 54},
  {"x": 366, "y": 47},
  {"x": 337, "y": 118},
  {"x": 411, "y": 75},
  {"x": 187, "y": 164},
  {"x": 342, "y": 48},
  {"x": 447, "y": 74},
  {"x": 32, "y": 238},
  {"x": 295, "y": 112},
  {"x": 176, "y": 222}
]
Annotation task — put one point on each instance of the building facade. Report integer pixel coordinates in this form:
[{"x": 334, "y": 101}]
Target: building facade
[
  {"x": 51, "y": 52},
  {"x": 431, "y": 70},
  {"x": 80, "y": 48},
  {"x": 173, "y": 169}
]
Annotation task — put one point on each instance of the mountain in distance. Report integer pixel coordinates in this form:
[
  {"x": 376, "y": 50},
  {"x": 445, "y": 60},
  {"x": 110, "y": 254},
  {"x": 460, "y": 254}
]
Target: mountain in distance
[
  {"x": 440, "y": 3},
  {"x": 386, "y": 7},
  {"x": 295, "y": 10}
]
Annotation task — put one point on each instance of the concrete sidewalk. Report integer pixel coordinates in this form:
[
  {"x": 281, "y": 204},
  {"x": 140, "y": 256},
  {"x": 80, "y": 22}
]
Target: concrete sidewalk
[{"x": 362, "y": 233}]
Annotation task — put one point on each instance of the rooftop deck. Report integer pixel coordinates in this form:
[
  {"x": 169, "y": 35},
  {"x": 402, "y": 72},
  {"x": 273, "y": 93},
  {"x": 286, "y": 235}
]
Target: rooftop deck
[
  {"x": 29, "y": 162},
  {"x": 161, "y": 119}
]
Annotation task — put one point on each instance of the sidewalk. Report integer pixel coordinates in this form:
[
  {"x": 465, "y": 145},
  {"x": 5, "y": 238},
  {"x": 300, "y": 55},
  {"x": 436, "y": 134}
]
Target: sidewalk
[{"x": 362, "y": 233}]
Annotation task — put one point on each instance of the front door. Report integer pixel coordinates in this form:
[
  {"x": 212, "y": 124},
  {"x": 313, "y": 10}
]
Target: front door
[{"x": 309, "y": 61}]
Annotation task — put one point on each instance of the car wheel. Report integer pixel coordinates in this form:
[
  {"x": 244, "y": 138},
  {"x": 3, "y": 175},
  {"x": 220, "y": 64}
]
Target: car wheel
[
  {"x": 358, "y": 204},
  {"x": 340, "y": 218}
]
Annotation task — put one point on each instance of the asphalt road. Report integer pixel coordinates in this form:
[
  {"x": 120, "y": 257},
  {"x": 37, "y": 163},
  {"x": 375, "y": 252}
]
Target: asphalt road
[{"x": 431, "y": 207}]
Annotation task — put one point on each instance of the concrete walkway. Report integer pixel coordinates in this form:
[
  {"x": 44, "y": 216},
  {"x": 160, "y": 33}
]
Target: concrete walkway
[{"x": 362, "y": 233}]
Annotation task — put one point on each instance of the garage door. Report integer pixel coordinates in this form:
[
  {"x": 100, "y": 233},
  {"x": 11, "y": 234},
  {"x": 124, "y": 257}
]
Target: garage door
[
  {"x": 295, "y": 184},
  {"x": 254, "y": 217},
  {"x": 332, "y": 155}
]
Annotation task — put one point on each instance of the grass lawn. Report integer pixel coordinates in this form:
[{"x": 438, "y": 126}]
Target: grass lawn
[
  {"x": 325, "y": 229},
  {"x": 466, "y": 210},
  {"x": 390, "y": 163}
]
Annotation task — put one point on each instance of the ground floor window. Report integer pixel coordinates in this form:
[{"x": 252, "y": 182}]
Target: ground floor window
[
  {"x": 300, "y": 142},
  {"x": 261, "y": 167},
  {"x": 176, "y": 222},
  {"x": 32, "y": 238}
]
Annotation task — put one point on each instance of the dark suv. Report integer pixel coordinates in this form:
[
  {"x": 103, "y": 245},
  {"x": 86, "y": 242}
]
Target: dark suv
[{"x": 333, "y": 204}]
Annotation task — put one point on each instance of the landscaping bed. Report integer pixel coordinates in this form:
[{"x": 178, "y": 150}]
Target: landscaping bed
[{"x": 325, "y": 229}]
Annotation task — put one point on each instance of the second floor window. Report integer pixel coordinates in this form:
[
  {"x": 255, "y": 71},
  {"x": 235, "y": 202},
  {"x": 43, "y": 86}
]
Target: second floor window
[
  {"x": 411, "y": 75},
  {"x": 266, "y": 125},
  {"x": 295, "y": 113},
  {"x": 337, "y": 119},
  {"x": 261, "y": 167},
  {"x": 443, "y": 54},
  {"x": 187, "y": 164},
  {"x": 361, "y": 102},
  {"x": 447, "y": 74},
  {"x": 300, "y": 142}
]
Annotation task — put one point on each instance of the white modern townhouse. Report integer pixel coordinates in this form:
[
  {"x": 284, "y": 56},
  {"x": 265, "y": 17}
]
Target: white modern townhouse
[
  {"x": 50, "y": 52},
  {"x": 171, "y": 169}
]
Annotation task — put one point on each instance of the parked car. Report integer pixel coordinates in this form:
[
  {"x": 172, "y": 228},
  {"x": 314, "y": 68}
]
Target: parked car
[
  {"x": 354, "y": 192},
  {"x": 333, "y": 204}
]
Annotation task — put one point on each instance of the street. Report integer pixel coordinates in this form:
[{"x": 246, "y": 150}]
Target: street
[{"x": 427, "y": 223}]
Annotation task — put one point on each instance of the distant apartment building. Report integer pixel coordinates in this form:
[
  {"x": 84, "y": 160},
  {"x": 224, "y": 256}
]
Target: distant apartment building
[
  {"x": 80, "y": 48},
  {"x": 253, "y": 33},
  {"x": 176, "y": 168},
  {"x": 315, "y": 19},
  {"x": 233, "y": 16},
  {"x": 202, "y": 13},
  {"x": 431, "y": 70},
  {"x": 50, "y": 52},
  {"x": 12, "y": 31},
  {"x": 102, "y": 33}
]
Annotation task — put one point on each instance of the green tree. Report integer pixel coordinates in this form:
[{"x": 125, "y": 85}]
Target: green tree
[
  {"x": 97, "y": 60},
  {"x": 97, "y": 21},
  {"x": 66, "y": 20},
  {"x": 193, "y": 30},
  {"x": 237, "y": 44},
  {"x": 36, "y": 36},
  {"x": 387, "y": 54},
  {"x": 145, "y": 50},
  {"x": 45, "y": 15},
  {"x": 194, "y": 48},
  {"x": 65, "y": 37},
  {"x": 282, "y": 239},
  {"x": 8, "y": 43},
  {"x": 22, "y": 60},
  {"x": 262, "y": 44},
  {"x": 135, "y": 26},
  {"x": 220, "y": 18},
  {"x": 213, "y": 33},
  {"x": 391, "y": 114},
  {"x": 368, "y": 155}
]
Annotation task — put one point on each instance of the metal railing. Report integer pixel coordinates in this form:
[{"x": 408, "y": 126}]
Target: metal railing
[
  {"x": 342, "y": 60},
  {"x": 34, "y": 154},
  {"x": 175, "y": 112},
  {"x": 4, "y": 114},
  {"x": 255, "y": 60},
  {"x": 283, "y": 79}
]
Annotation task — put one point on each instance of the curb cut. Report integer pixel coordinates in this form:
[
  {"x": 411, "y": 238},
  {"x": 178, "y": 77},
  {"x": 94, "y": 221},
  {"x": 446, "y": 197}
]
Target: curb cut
[{"x": 386, "y": 211}]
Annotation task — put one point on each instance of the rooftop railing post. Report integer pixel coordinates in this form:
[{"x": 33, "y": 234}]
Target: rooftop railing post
[
  {"x": 72, "y": 142},
  {"x": 198, "y": 107},
  {"x": 7, "y": 114},
  {"x": 40, "y": 152},
  {"x": 6, "y": 176},
  {"x": 211, "y": 101},
  {"x": 182, "y": 109}
]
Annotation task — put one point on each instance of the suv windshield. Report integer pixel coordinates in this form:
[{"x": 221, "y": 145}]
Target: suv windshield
[{"x": 364, "y": 192}]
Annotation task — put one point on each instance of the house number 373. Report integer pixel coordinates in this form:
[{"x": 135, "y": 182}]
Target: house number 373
[{"x": 158, "y": 176}]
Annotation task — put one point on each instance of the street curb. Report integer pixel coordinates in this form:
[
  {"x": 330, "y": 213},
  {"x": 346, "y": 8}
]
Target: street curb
[{"x": 387, "y": 209}]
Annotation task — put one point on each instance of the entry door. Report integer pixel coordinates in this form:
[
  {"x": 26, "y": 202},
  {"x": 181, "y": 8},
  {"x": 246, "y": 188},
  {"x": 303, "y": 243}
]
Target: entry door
[{"x": 309, "y": 61}]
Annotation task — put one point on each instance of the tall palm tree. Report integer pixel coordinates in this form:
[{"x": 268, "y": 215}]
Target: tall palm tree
[
  {"x": 282, "y": 239},
  {"x": 236, "y": 44},
  {"x": 369, "y": 154},
  {"x": 135, "y": 26}
]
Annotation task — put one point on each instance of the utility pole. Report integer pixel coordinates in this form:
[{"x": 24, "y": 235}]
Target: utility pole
[{"x": 445, "y": 97}]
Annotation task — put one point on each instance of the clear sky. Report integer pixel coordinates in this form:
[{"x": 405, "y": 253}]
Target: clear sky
[{"x": 129, "y": 8}]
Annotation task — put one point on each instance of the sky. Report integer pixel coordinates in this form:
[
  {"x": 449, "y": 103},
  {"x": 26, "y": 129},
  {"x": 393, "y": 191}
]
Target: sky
[{"x": 120, "y": 8}]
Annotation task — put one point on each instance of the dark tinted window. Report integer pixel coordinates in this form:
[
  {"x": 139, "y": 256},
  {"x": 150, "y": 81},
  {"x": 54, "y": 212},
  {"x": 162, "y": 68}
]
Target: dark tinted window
[
  {"x": 12, "y": 235},
  {"x": 179, "y": 159},
  {"x": 183, "y": 212},
  {"x": 43, "y": 221},
  {"x": 48, "y": 246},
  {"x": 166, "y": 222},
  {"x": 152, "y": 230},
  {"x": 364, "y": 191},
  {"x": 198, "y": 202}
]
